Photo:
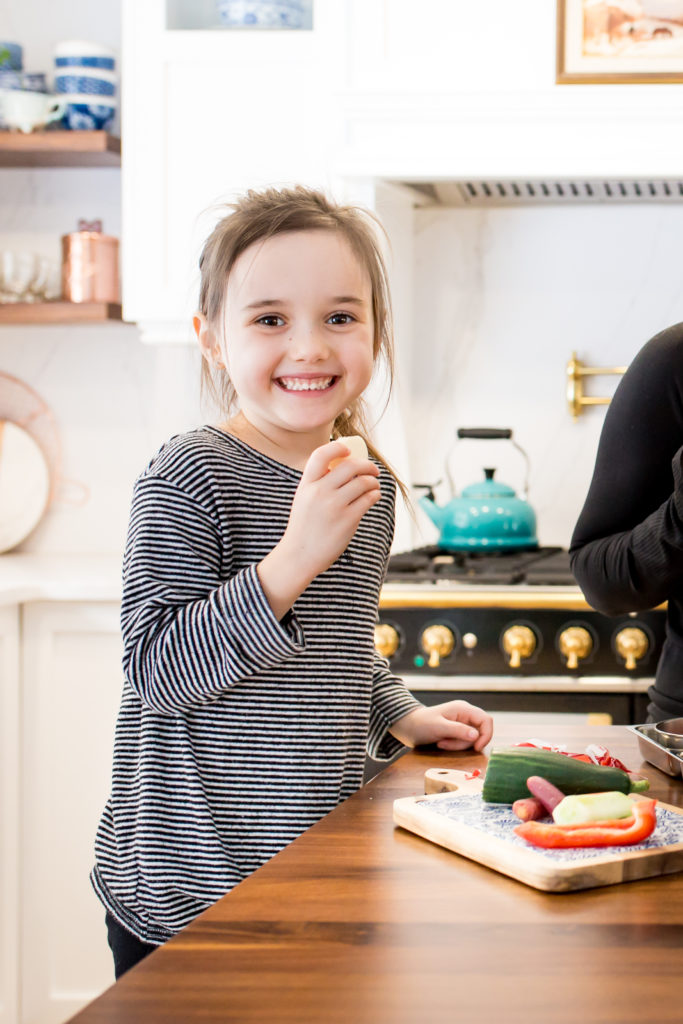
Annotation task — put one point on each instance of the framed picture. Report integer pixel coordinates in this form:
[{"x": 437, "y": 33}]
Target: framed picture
[{"x": 619, "y": 41}]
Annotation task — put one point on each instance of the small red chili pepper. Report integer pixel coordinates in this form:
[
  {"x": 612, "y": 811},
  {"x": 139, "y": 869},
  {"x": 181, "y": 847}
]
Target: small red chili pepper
[{"x": 553, "y": 837}]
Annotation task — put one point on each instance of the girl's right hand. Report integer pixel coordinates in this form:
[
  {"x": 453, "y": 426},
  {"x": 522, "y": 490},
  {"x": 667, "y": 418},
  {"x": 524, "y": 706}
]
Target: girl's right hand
[{"x": 328, "y": 506}]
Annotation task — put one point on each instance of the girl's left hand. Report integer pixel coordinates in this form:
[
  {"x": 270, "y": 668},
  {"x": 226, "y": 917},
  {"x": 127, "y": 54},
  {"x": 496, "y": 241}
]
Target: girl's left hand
[{"x": 454, "y": 725}]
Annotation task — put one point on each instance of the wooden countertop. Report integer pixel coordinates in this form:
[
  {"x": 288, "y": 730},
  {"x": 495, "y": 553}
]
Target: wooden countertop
[{"x": 361, "y": 923}]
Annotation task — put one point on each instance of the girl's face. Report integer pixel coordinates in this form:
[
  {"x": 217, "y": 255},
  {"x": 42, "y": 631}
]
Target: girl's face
[{"x": 298, "y": 333}]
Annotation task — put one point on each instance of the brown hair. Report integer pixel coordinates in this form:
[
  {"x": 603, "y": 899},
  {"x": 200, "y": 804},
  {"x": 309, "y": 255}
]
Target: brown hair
[{"x": 257, "y": 216}]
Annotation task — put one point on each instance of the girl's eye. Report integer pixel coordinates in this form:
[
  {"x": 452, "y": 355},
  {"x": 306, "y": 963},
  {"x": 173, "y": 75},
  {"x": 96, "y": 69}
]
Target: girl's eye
[
  {"x": 270, "y": 320},
  {"x": 341, "y": 318}
]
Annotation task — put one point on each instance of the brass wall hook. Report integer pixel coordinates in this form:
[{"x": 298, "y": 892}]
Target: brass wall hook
[{"x": 576, "y": 371}]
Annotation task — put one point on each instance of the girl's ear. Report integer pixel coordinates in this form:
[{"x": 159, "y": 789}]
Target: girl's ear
[{"x": 208, "y": 340}]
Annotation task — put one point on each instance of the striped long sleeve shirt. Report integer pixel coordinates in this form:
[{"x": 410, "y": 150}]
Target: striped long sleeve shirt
[{"x": 236, "y": 731}]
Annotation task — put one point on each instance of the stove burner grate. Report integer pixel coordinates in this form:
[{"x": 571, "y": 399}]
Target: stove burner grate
[{"x": 535, "y": 567}]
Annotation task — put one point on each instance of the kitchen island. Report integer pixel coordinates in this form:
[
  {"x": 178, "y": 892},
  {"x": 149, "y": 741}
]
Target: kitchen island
[{"x": 358, "y": 922}]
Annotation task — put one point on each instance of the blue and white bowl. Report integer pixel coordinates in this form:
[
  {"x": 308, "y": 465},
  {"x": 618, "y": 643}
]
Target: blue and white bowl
[
  {"x": 85, "y": 114},
  {"x": 102, "y": 63},
  {"x": 94, "y": 84},
  {"x": 79, "y": 53},
  {"x": 261, "y": 13},
  {"x": 11, "y": 56}
]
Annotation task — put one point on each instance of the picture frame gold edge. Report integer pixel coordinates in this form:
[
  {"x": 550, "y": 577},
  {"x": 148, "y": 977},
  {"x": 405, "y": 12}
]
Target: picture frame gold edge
[
  {"x": 564, "y": 77},
  {"x": 617, "y": 78},
  {"x": 560, "y": 74}
]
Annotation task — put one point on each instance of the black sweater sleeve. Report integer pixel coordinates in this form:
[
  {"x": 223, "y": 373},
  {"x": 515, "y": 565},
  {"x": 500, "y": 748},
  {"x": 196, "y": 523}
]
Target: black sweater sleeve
[{"x": 627, "y": 548}]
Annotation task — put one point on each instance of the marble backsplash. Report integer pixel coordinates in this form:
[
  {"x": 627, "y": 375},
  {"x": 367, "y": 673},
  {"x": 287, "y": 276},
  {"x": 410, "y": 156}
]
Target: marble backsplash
[
  {"x": 114, "y": 401},
  {"x": 502, "y": 298}
]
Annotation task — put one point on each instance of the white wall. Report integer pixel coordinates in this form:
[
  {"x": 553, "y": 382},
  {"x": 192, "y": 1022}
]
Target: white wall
[{"x": 115, "y": 401}]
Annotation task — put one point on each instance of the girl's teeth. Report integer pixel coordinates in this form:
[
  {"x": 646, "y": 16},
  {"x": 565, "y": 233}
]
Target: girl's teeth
[{"x": 299, "y": 384}]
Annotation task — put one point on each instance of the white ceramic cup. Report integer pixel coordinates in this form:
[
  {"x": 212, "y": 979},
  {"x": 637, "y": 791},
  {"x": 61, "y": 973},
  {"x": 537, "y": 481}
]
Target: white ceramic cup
[{"x": 29, "y": 110}]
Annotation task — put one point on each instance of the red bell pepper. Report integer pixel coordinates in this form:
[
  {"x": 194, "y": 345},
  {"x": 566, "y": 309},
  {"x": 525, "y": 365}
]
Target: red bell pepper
[
  {"x": 612, "y": 833},
  {"x": 601, "y": 755}
]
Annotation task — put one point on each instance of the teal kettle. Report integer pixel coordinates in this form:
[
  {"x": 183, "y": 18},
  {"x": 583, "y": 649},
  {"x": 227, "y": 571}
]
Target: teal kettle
[{"x": 488, "y": 515}]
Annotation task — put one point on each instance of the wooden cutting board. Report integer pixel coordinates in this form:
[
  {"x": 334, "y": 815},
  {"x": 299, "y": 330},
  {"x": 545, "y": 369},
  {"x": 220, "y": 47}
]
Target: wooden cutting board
[
  {"x": 24, "y": 484},
  {"x": 454, "y": 815}
]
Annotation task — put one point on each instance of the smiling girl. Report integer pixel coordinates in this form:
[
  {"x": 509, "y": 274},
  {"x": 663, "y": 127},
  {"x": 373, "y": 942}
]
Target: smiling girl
[{"x": 252, "y": 574}]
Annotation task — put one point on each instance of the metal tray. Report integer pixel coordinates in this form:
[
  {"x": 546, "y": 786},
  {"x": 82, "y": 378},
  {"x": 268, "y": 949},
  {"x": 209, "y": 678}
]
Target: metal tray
[{"x": 654, "y": 752}]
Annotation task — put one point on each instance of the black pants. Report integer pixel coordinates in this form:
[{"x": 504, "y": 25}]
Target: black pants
[{"x": 127, "y": 950}]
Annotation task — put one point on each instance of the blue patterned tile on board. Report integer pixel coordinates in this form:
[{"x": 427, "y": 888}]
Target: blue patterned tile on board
[{"x": 498, "y": 820}]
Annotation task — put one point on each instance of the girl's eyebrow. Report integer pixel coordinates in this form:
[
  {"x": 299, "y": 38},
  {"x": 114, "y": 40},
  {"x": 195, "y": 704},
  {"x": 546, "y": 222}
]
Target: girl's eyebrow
[
  {"x": 260, "y": 303},
  {"x": 336, "y": 300}
]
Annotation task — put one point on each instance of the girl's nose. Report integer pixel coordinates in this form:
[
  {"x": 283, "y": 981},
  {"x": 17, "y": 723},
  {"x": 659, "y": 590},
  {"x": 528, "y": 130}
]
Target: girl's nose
[{"x": 308, "y": 344}]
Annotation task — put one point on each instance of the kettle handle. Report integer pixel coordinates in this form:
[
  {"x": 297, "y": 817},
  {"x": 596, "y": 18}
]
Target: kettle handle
[
  {"x": 429, "y": 488},
  {"x": 489, "y": 434},
  {"x": 486, "y": 433}
]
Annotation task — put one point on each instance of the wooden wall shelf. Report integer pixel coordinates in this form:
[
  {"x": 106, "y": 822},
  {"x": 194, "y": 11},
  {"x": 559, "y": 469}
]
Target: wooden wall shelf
[
  {"x": 46, "y": 313},
  {"x": 59, "y": 149}
]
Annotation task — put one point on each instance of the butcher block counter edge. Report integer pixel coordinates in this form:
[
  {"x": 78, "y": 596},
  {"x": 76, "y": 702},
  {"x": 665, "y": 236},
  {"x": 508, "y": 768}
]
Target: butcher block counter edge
[{"x": 360, "y": 921}]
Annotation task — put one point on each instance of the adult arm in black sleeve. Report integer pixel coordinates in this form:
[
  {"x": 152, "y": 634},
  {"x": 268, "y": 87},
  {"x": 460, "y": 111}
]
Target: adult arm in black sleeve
[{"x": 627, "y": 548}]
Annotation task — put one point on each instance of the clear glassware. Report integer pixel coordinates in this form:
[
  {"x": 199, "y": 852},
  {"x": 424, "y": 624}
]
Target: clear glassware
[
  {"x": 18, "y": 271},
  {"x": 53, "y": 282},
  {"x": 39, "y": 284}
]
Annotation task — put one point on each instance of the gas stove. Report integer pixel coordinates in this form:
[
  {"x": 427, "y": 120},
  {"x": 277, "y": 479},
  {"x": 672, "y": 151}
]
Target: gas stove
[
  {"x": 512, "y": 631},
  {"x": 535, "y": 567}
]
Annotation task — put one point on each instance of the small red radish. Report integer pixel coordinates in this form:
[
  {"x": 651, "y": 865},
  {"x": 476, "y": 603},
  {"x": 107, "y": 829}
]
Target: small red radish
[{"x": 544, "y": 791}]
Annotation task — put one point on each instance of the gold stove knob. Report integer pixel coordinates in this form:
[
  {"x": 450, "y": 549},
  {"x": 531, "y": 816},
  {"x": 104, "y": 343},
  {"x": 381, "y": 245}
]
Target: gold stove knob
[
  {"x": 632, "y": 644},
  {"x": 386, "y": 639},
  {"x": 437, "y": 642},
  {"x": 519, "y": 642},
  {"x": 575, "y": 643}
]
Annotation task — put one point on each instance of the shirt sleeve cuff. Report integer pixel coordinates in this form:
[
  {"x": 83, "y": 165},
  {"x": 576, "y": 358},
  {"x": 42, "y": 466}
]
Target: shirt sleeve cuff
[
  {"x": 393, "y": 702},
  {"x": 258, "y": 639}
]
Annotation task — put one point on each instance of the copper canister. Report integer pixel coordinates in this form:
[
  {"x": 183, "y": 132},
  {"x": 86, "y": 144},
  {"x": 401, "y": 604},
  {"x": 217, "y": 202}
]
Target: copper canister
[{"x": 90, "y": 267}]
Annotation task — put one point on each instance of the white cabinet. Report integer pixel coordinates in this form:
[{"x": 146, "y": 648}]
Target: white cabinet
[
  {"x": 400, "y": 47},
  {"x": 9, "y": 813},
  {"x": 205, "y": 115},
  {"x": 61, "y": 685}
]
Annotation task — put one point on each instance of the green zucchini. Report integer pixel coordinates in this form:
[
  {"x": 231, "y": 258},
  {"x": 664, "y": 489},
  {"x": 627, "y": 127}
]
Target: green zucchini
[{"x": 510, "y": 767}]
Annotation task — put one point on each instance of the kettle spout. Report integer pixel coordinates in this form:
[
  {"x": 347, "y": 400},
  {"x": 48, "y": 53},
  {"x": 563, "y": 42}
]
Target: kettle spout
[{"x": 435, "y": 512}]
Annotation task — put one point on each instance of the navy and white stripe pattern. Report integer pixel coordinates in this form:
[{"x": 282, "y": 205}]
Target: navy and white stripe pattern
[{"x": 236, "y": 732}]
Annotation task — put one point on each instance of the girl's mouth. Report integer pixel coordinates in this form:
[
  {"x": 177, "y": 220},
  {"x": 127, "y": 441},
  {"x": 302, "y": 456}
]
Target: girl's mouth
[{"x": 305, "y": 383}]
